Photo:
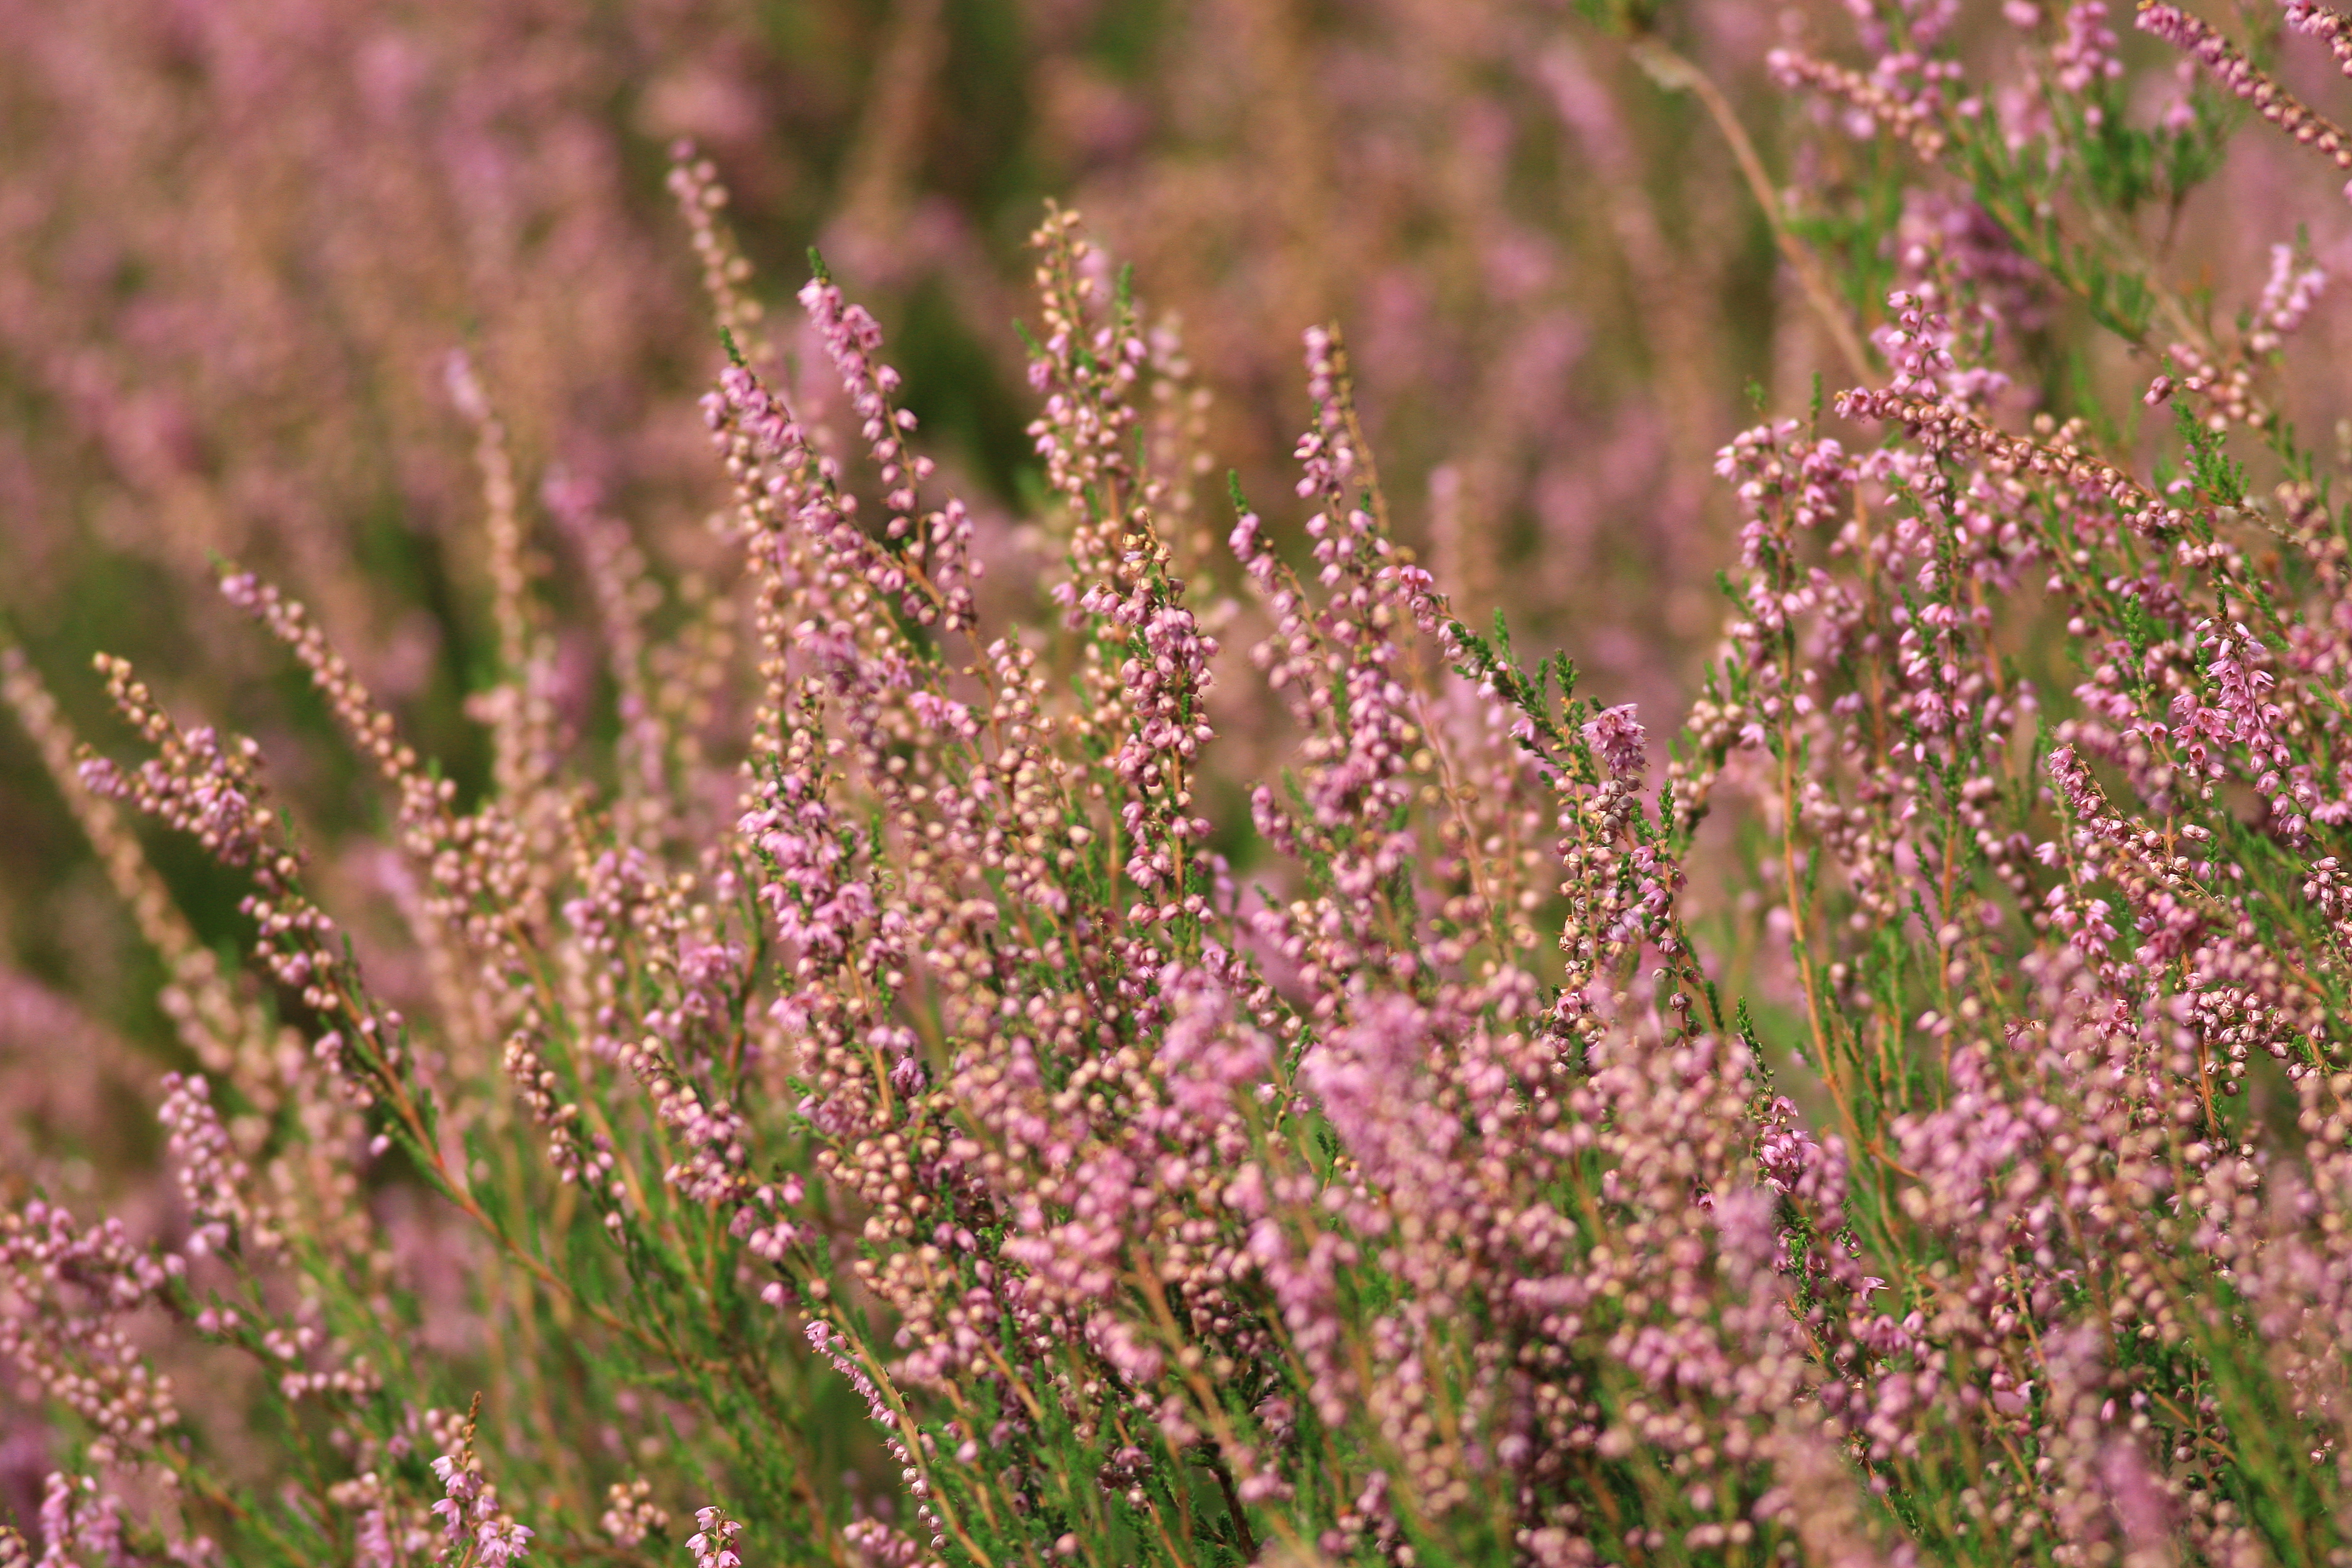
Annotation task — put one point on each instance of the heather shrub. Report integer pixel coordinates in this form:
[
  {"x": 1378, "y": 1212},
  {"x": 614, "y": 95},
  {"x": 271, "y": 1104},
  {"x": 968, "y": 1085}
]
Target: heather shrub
[{"x": 1145, "y": 1032}]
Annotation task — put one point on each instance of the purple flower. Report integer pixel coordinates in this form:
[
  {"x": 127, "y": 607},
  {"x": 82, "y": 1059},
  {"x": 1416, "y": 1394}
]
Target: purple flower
[{"x": 1618, "y": 736}]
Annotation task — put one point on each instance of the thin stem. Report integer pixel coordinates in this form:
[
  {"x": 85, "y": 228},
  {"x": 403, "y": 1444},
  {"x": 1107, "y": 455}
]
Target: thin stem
[{"x": 1675, "y": 73}]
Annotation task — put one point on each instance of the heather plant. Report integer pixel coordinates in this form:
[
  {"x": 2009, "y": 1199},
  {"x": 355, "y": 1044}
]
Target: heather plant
[
  {"x": 244, "y": 236},
  {"x": 1181, "y": 1049}
]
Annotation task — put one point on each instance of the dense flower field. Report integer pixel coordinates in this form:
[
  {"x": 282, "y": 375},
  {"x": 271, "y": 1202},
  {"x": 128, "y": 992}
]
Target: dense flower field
[{"x": 808, "y": 970}]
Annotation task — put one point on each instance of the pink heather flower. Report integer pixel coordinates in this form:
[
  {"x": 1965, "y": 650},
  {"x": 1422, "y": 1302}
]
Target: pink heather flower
[
  {"x": 82, "y": 1524},
  {"x": 2086, "y": 56},
  {"x": 632, "y": 1515},
  {"x": 66, "y": 1290},
  {"x": 2287, "y": 299},
  {"x": 372, "y": 1539},
  {"x": 713, "y": 1542},
  {"x": 2179, "y": 116},
  {"x": 2240, "y": 76},
  {"x": 2325, "y": 24},
  {"x": 471, "y": 1512},
  {"x": 214, "y": 1181},
  {"x": 465, "y": 387},
  {"x": 499, "y": 1541},
  {"x": 1617, "y": 735}
]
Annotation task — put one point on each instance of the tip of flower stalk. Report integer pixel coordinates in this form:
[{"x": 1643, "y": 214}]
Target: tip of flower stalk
[
  {"x": 464, "y": 387},
  {"x": 817, "y": 268}
]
